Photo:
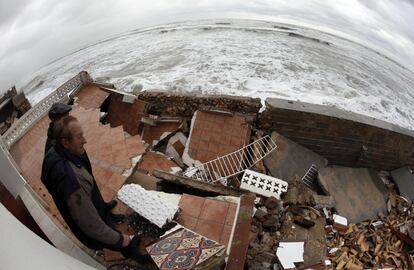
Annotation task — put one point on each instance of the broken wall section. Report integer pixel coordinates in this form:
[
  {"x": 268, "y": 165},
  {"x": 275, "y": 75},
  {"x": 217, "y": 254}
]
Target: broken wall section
[
  {"x": 342, "y": 137},
  {"x": 185, "y": 105}
]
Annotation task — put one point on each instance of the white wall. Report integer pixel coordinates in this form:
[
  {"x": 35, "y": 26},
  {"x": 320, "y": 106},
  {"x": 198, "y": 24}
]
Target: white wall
[
  {"x": 22, "y": 249},
  {"x": 9, "y": 175}
]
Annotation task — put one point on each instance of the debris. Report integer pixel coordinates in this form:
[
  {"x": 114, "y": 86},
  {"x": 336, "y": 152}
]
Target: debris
[
  {"x": 359, "y": 193},
  {"x": 340, "y": 223},
  {"x": 189, "y": 250},
  {"x": 290, "y": 253},
  {"x": 198, "y": 185},
  {"x": 155, "y": 128},
  {"x": 232, "y": 164},
  {"x": 263, "y": 184},
  {"x": 118, "y": 109},
  {"x": 303, "y": 221},
  {"x": 291, "y": 159},
  {"x": 271, "y": 202},
  {"x": 141, "y": 178},
  {"x": 321, "y": 201},
  {"x": 148, "y": 205},
  {"x": 240, "y": 241},
  {"x": 214, "y": 134},
  {"x": 176, "y": 145},
  {"x": 157, "y": 160},
  {"x": 404, "y": 178},
  {"x": 310, "y": 178},
  {"x": 298, "y": 193}
]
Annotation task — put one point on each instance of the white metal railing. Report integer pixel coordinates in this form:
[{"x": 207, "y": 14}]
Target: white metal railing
[
  {"x": 234, "y": 163},
  {"x": 309, "y": 178},
  {"x": 19, "y": 128}
]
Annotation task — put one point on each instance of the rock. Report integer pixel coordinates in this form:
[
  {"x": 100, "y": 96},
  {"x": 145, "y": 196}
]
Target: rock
[
  {"x": 267, "y": 258},
  {"x": 267, "y": 241},
  {"x": 271, "y": 202},
  {"x": 271, "y": 222},
  {"x": 260, "y": 213},
  {"x": 323, "y": 201}
]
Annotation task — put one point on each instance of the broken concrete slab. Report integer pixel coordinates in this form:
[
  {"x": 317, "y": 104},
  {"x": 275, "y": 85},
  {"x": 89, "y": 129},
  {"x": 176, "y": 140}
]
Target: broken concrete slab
[
  {"x": 359, "y": 193},
  {"x": 291, "y": 159},
  {"x": 155, "y": 160},
  {"x": 404, "y": 179},
  {"x": 176, "y": 145},
  {"x": 118, "y": 109},
  {"x": 144, "y": 180},
  {"x": 215, "y": 134},
  {"x": 157, "y": 128},
  {"x": 240, "y": 241},
  {"x": 198, "y": 185},
  {"x": 208, "y": 217}
]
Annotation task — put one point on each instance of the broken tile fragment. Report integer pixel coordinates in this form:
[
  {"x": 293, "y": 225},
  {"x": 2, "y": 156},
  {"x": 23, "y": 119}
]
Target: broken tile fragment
[
  {"x": 159, "y": 128},
  {"x": 176, "y": 145},
  {"x": 207, "y": 216},
  {"x": 263, "y": 184},
  {"x": 149, "y": 206},
  {"x": 155, "y": 160}
]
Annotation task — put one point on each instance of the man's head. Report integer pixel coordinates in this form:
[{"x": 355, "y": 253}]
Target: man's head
[
  {"x": 68, "y": 132},
  {"x": 58, "y": 111}
]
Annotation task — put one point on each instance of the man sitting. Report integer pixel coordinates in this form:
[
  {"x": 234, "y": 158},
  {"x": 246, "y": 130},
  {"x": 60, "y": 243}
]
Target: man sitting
[{"x": 67, "y": 174}]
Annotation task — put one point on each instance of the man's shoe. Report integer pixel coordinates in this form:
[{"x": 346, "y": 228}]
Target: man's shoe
[
  {"x": 111, "y": 204},
  {"x": 116, "y": 218}
]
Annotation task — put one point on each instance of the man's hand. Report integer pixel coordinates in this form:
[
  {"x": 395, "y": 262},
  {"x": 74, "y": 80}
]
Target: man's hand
[{"x": 126, "y": 240}]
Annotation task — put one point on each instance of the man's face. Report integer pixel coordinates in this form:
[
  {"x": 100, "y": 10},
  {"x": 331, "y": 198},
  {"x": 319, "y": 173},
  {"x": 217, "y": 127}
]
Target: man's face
[{"x": 78, "y": 141}]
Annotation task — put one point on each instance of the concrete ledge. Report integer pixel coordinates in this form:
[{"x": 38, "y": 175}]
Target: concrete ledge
[
  {"x": 343, "y": 138},
  {"x": 334, "y": 113}
]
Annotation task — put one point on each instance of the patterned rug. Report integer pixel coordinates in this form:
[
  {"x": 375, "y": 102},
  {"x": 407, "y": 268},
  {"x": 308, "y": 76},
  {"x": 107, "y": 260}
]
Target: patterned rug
[{"x": 182, "y": 249}]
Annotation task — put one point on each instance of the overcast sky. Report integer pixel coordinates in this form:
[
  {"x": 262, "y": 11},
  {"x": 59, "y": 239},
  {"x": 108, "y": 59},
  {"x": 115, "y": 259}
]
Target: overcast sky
[{"x": 35, "y": 32}]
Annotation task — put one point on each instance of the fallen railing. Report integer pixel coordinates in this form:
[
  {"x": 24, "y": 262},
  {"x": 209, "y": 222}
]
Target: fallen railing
[{"x": 234, "y": 163}]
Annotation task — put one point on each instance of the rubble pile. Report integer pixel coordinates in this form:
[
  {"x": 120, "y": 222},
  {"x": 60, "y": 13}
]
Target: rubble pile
[
  {"x": 182, "y": 104},
  {"x": 200, "y": 147},
  {"x": 375, "y": 244}
]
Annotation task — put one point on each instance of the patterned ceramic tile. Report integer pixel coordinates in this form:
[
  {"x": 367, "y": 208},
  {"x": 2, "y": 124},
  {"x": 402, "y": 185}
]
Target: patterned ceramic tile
[
  {"x": 263, "y": 184},
  {"x": 183, "y": 249}
]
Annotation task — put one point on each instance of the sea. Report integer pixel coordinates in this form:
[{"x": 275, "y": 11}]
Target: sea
[{"x": 245, "y": 58}]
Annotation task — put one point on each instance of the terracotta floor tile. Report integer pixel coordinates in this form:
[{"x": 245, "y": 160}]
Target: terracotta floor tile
[
  {"x": 209, "y": 229},
  {"x": 191, "y": 205},
  {"x": 115, "y": 182},
  {"x": 108, "y": 194},
  {"x": 214, "y": 210},
  {"x": 225, "y": 235},
  {"x": 188, "y": 221}
]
